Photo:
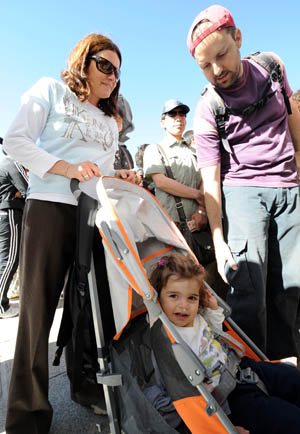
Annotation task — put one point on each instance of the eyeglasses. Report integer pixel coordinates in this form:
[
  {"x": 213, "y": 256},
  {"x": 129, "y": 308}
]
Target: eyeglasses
[
  {"x": 106, "y": 67},
  {"x": 175, "y": 113}
]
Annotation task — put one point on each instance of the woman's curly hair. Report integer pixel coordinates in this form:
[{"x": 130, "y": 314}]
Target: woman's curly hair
[
  {"x": 75, "y": 76},
  {"x": 182, "y": 267}
]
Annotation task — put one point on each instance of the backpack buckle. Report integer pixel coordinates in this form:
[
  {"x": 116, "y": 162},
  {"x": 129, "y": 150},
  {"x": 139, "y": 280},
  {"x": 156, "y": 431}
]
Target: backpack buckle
[{"x": 276, "y": 73}]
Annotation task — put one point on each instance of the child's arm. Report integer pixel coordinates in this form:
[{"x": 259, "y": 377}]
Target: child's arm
[
  {"x": 214, "y": 317},
  {"x": 212, "y": 313}
]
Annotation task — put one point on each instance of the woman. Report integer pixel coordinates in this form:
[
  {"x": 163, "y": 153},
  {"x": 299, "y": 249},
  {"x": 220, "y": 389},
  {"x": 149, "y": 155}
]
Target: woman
[{"x": 77, "y": 136}]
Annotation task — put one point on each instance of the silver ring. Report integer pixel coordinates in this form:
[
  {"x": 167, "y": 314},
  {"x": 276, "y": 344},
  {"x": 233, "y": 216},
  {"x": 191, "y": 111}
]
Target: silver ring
[{"x": 86, "y": 176}]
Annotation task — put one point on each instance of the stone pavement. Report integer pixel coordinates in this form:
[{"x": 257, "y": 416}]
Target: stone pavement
[{"x": 69, "y": 417}]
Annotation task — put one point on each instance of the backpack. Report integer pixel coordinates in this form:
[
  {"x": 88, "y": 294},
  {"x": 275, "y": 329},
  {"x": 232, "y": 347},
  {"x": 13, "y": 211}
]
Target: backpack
[{"x": 221, "y": 112}]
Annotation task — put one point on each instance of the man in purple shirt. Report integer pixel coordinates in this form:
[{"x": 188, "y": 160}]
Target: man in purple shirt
[{"x": 253, "y": 183}]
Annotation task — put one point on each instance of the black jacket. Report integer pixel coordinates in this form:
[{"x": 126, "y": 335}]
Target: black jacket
[{"x": 13, "y": 178}]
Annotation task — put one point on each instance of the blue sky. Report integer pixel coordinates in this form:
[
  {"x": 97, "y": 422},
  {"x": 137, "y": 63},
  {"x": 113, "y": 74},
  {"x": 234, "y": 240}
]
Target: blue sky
[{"x": 37, "y": 36}]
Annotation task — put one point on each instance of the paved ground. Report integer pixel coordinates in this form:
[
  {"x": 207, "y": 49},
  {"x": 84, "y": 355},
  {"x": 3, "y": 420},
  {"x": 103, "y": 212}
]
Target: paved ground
[{"x": 69, "y": 417}]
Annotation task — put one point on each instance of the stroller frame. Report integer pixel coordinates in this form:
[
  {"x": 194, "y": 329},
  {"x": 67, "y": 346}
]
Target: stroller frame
[
  {"x": 190, "y": 364},
  {"x": 104, "y": 376}
]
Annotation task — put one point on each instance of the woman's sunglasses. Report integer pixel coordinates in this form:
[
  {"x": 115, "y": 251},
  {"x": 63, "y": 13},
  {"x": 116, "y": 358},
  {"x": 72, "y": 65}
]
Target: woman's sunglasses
[{"x": 106, "y": 67}]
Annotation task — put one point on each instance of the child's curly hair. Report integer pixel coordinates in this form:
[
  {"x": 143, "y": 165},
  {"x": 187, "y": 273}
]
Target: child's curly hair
[{"x": 183, "y": 267}]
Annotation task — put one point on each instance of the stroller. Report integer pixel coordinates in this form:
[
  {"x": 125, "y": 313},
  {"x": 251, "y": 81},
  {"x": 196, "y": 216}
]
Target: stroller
[{"x": 136, "y": 232}]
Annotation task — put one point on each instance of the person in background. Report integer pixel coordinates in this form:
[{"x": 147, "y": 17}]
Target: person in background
[
  {"x": 13, "y": 188},
  {"x": 187, "y": 182},
  {"x": 125, "y": 125},
  {"x": 139, "y": 156},
  {"x": 182, "y": 160},
  {"x": 63, "y": 130},
  {"x": 145, "y": 182},
  {"x": 252, "y": 181}
]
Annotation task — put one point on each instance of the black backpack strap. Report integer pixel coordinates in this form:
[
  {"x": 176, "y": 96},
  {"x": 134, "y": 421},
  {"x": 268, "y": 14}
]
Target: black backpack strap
[
  {"x": 257, "y": 105},
  {"x": 220, "y": 112},
  {"x": 271, "y": 65},
  {"x": 78, "y": 274}
]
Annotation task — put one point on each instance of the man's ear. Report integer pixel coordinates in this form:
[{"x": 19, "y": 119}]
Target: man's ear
[
  {"x": 162, "y": 123},
  {"x": 238, "y": 37}
]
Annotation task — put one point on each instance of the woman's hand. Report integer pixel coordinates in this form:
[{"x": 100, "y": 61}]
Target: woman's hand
[
  {"x": 129, "y": 175},
  {"x": 81, "y": 171}
]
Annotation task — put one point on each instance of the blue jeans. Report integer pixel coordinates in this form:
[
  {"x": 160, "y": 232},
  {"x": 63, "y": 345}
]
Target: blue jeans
[{"x": 262, "y": 229}]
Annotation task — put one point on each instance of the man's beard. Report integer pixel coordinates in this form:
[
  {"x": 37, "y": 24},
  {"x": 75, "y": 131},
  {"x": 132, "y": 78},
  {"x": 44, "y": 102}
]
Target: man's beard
[{"x": 233, "y": 78}]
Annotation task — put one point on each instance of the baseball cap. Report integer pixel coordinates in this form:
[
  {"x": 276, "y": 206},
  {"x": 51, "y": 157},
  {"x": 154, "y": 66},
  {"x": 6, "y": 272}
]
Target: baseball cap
[
  {"x": 171, "y": 104},
  {"x": 219, "y": 17}
]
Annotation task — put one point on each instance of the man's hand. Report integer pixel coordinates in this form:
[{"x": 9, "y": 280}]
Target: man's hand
[
  {"x": 199, "y": 197},
  {"x": 223, "y": 255},
  {"x": 200, "y": 220}
]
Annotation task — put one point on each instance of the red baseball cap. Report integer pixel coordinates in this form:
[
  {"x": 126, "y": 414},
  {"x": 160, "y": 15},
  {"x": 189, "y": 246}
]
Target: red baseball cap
[{"x": 219, "y": 17}]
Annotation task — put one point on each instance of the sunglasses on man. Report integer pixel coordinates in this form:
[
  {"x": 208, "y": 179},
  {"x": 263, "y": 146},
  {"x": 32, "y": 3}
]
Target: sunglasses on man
[
  {"x": 174, "y": 113},
  {"x": 106, "y": 67}
]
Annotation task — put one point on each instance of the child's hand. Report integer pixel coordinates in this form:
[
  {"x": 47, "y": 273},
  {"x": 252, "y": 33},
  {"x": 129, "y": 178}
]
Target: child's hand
[{"x": 212, "y": 302}]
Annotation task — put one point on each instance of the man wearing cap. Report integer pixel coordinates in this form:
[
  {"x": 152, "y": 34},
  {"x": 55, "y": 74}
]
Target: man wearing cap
[
  {"x": 181, "y": 157},
  {"x": 255, "y": 179}
]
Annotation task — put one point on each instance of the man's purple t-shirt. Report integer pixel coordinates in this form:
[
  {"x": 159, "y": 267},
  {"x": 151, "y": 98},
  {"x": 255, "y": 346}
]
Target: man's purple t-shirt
[{"x": 263, "y": 152}]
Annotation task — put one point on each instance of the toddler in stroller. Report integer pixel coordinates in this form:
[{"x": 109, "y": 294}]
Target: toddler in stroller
[
  {"x": 133, "y": 246},
  {"x": 270, "y": 401}
]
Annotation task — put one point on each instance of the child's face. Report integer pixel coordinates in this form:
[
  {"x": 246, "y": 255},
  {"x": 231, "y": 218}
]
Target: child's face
[{"x": 179, "y": 300}]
